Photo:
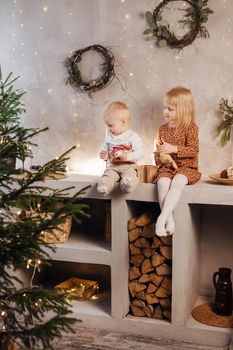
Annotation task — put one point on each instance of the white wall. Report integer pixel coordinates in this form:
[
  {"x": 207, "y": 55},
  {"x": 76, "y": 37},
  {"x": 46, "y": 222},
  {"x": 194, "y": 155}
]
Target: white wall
[{"x": 37, "y": 36}]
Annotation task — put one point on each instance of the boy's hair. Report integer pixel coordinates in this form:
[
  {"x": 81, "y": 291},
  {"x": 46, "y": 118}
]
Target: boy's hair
[
  {"x": 119, "y": 106},
  {"x": 181, "y": 98}
]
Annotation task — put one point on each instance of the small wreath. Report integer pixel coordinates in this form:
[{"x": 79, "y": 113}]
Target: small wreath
[
  {"x": 196, "y": 14},
  {"x": 75, "y": 77}
]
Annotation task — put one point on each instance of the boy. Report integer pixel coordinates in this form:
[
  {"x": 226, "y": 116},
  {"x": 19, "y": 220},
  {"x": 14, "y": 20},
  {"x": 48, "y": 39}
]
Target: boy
[{"x": 122, "y": 149}]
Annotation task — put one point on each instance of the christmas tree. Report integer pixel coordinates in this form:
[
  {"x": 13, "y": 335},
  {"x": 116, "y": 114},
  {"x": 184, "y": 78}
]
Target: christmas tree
[{"x": 27, "y": 209}]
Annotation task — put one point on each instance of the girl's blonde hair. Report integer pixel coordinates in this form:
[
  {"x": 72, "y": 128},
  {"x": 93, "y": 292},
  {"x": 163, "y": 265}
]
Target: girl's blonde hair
[{"x": 181, "y": 98}]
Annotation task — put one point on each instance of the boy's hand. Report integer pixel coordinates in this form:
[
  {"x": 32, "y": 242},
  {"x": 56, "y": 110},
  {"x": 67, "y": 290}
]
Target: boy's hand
[{"x": 103, "y": 154}]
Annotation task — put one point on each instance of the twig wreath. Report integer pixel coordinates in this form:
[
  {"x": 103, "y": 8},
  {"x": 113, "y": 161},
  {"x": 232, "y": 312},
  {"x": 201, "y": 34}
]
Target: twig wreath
[
  {"x": 196, "y": 14},
  {"x": 224, "y": 128},
  {"x": 75, "y": 76}
]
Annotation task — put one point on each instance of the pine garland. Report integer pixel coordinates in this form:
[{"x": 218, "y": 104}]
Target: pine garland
[{"x": 224, "y": 128}]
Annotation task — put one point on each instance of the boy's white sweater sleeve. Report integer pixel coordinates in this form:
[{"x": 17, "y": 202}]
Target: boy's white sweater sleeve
[
  {"x": 137, "y": 145},
  {"x": 104, "y": 146}
]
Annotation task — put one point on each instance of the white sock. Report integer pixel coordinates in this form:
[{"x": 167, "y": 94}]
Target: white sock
[
  {"x": 170, "y": 202},
  {"x": 102, "y": 190},
  {"x": 170, "y": 225}
]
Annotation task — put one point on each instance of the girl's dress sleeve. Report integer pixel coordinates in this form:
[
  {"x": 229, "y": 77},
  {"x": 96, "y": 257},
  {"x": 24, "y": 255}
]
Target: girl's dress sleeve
[{"x": 191, "y": 149}]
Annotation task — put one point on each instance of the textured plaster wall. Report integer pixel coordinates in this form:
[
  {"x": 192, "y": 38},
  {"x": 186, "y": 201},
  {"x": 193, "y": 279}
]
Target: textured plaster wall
[{"x": 37, "y": 36}]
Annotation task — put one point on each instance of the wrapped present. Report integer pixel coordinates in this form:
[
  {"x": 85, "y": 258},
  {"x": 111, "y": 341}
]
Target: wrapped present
[
  {"x": 78, "y": 288},
  {"x": 146, "y": 173}
]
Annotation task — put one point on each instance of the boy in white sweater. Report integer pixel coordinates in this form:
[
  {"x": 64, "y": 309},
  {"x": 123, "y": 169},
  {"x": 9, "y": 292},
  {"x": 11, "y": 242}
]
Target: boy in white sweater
[{"x": 122, "y": 149}]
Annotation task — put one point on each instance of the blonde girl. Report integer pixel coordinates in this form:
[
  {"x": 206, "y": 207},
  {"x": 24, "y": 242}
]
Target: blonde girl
[{"x": 179, "y": 138}]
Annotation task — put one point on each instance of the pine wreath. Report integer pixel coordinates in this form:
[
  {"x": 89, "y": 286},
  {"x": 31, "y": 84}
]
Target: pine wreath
[
  {"x": 75, "y": 78},
  {"x": 224, "y": 128},
  {"x": 196, "y": 14}
]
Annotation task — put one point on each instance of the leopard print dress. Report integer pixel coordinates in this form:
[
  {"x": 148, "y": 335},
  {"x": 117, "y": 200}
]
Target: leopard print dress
[{"x": 186, "y": 140}]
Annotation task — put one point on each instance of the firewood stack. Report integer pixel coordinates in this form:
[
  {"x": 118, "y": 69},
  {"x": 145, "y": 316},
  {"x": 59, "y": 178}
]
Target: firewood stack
[{"x": 150, "y": 280}]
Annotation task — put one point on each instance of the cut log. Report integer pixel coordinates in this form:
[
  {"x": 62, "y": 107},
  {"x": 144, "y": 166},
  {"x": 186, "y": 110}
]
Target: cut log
[
  {"x": 137, "y": 311},
  {"x": 141, "y": 295},
  {"x": 144, "y": 278},
  {"x": 167, "y": 284},
  {"x": 131, "y": 223},
  {"x": 152, "y": 299},
  {"x": 149, "y": 310},
  {"x": 151, "y": 288},
  {"x": 134, "y": 234},
  {"x": 167, "y": 313},
  {"x": 158, "y": 313},
  {"x": 142, "y": 243},
  {"x": 136, "y": 259},
  {"x": 146, "y": 266},
  {"x": 134, "y": 250},
  {"x": 166, "y": 251},
  {"x": 136, "y": 287},
  {"x": 144, "y": 219},
  {"x": 148, "y": 230},
  {"x": 155, "y": 279},
  {"x": 156, "y": 242},
  {"x": 163, "y": 269},
  {"x": 134, "y": 273},
  {"x": 167, "y": 240},
  {"x": 147, "y": 252},
  {"x": 157, "y": 259},
  {"x": 162, "y": 293},
  {"x": 139, "y": 303},
  {"x": 165, "y": 303}
]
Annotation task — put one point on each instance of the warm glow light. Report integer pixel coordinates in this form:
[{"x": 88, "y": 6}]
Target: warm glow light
[{"x": 94, "y": 166}]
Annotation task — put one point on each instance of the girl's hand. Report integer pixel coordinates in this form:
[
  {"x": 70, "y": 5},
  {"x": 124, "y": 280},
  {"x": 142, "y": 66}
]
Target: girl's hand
[
  {"x": 104, "y": 154},
  {"x": 167, "y": 148}
]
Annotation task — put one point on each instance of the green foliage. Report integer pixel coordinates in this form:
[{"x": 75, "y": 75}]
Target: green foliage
[
  {"x": 25, "y": 309},
  {"x": 224, "y": 128}
]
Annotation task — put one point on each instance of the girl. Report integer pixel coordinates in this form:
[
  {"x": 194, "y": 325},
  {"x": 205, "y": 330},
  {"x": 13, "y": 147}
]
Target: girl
[{"x": 179, "y": 138}]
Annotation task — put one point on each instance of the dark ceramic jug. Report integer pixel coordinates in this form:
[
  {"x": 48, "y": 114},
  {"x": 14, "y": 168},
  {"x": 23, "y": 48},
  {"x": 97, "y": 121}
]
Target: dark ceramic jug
[{"x": 223, "y": 296}]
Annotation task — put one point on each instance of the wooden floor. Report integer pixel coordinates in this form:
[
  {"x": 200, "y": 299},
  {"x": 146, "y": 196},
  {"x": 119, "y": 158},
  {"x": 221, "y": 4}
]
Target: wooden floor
[{"x": 92, "y": 339}]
